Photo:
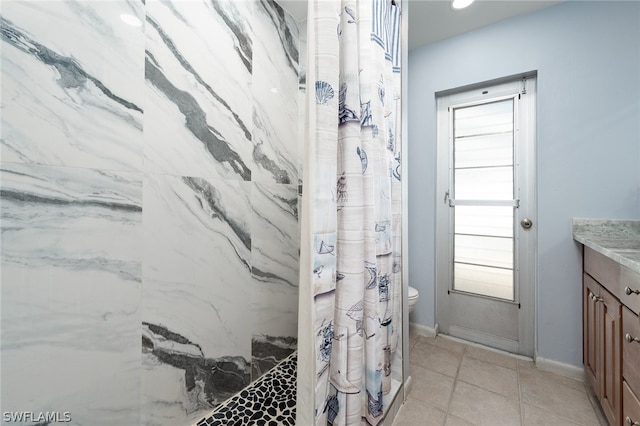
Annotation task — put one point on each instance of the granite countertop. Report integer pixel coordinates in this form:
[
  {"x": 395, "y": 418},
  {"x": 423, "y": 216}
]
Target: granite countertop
[{"x": 617, "y": 239}]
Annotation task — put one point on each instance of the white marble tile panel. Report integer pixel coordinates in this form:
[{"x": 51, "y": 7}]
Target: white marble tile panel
[
  {"x": 302, "y": 96},
  {"x": 197, "y": 231},
  {"x": 217, "y": 323},
  {"x": 192, "y": 362},
  {"x": 198, "y": 85},
  {"x": 275, "y": 259},
  {"x": 165, "y": 400},
  {"x": 275, "y": 234},
  {"x": 275, "y": 90},
  {"x": 72, "y": 219},
  {"x": 275, "y": 312},
  {"x": 71, "y": 342},
  {"x": 71, "y": 292},
  {"x": 72, "y": 84}
]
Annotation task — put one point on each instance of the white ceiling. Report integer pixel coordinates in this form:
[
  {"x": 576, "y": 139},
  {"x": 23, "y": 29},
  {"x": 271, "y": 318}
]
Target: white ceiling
[{"x": 433, "y": 20}]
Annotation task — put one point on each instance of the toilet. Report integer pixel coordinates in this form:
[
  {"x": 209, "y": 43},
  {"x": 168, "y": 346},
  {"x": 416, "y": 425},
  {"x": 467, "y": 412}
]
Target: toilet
[{"x": 413, "y": 298}]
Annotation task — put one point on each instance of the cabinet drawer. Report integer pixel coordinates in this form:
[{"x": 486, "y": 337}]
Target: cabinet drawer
[
  {"x": 631, "y": 280},
  {"x": 631, "y": 350},
  {"x": 603, "y": 269},
  {"x": 630, "y": 406}
]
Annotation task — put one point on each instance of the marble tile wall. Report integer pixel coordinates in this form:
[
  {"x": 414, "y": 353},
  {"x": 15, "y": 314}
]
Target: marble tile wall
[{"x": 148, "y": 191}]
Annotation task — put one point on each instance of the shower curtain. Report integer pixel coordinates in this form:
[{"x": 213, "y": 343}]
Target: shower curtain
[{"x": 353, "y": 188}]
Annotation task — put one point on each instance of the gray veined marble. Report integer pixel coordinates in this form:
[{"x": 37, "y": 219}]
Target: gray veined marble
[
  {"x": 268, "y": 351},
  {"x": 192, "y": 362},
  {"x": 302, "y": 85},
  {"x": 198, "y": 116},
  {"x": 189, "y": 68},
  {"x": 237, "y": 23},
  {"x": 274, "y": 260},
  {"x": 197, "y": 230},
  {"x": 62, "y": 105},
  {"x": 197, "y": 261},
  {"x": 71, "y": 74},
  {"x": 203, "y": 382},
  {"x": 287, "y": 31},
  {"x": 269, "y": 400},
  {"x": 65, "y": 210},
  {"x": 149, "y": 204},
  {"x": 71, "y": 288},
  {"x": 196, "y": 122},
  {"x": 275, "y": 234},
  {"x": 275, "y": 82}
]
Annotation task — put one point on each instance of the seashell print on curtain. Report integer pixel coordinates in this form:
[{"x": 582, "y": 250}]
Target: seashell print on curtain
[
  {"x": 354, "y": 162},
  {"x": 324, "y": 92}
]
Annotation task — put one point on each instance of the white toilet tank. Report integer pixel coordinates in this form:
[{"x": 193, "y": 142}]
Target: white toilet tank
[{"x": 413, "y": 298}]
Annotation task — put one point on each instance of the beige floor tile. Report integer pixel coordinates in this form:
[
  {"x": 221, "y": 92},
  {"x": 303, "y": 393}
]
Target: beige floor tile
[
  {"x": 431, "y": 388},
  {"x": 493, "y": 357},
  {"x": 482, "y": 407},
  {"x": 557, "y": 395},
  {"x": 486, "y": 375},
  {"x": 435, "y": 358},
  {"x": 454, "y": 421},
  {"x": 526, "y": 364},
  {"x": 534, "y": 416},
  {"x": 596, "y": 405},
  {"x": 415, "y": 413},
  {"x": 548, "y": 378},
  {"x": 461, "y": 385},
  {"x": 413, "y": 339}
]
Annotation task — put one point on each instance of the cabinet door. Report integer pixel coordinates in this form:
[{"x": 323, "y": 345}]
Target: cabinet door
[
  {"x": 590, "y": 328},
  {"x": 610, "y": 358}
]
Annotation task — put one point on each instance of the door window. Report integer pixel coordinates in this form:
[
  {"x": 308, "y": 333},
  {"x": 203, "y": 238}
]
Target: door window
[{"x": 483, "y": 167}]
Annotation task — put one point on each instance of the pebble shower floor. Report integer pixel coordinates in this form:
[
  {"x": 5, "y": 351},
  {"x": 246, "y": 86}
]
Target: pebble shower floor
[{"x": 269, "y": 401}]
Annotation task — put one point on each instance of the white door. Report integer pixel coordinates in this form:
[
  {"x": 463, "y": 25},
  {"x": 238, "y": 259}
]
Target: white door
[{"x": 486, "y": 221}]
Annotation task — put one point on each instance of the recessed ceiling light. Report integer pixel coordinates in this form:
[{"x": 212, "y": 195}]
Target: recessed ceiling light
[
  {"x": 460, "y": 4},
  {"x": 131, "y": 20}
]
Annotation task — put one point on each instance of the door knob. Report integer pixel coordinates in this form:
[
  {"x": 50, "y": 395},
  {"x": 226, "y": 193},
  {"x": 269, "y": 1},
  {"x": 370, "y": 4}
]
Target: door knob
[{"x": 526, "y": 223}]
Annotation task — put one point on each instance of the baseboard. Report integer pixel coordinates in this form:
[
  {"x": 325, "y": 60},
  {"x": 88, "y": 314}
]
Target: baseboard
[
  {"x": 421, "y": 330},
  {"x": 560, "y": 368}
]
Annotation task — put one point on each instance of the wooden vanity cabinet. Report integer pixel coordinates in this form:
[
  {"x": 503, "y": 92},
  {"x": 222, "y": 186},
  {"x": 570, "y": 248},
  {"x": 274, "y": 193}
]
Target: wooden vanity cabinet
[
  {"x": 611, "y": 337},
  {"x": 601, "y": 311}
]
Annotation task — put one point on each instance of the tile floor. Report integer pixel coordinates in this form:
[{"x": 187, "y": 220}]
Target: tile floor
[{"x": 458, "y": 384}]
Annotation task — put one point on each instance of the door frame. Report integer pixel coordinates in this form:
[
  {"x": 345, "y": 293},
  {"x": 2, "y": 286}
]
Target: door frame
[{"x": 525, "y": 161}]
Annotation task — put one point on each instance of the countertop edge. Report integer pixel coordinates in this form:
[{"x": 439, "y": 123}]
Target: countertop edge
[{"x": 628, "y": 262}]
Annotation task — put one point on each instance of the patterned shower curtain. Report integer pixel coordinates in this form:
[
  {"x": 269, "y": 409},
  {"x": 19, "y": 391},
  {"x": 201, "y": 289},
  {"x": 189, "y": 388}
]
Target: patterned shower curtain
[{"x": 354, "y": 161}]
